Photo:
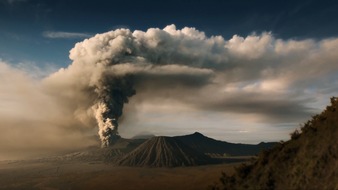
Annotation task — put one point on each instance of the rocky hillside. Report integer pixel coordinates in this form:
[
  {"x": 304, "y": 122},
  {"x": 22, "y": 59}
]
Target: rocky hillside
[
  {"x": 164, "y": 152},
  {"x": 308, "y": 161}
]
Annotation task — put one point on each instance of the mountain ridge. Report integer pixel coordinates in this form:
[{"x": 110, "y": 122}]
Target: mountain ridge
[
  {"x": 200, "y": 143},
  {"x": 209, "y": 145}
]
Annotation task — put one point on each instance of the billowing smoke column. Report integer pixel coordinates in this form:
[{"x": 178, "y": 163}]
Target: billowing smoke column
[
  {"x": 113, "y": 93},
  {"x": 273, "y": 80},
  {"x": 108, "y": 68}
]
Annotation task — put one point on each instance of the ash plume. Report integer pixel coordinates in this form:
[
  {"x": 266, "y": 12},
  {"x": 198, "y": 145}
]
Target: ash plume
[
  {"x": 112, "y": 94},
  {"x": 180, "y": 73},
  {"x": 186, "y": 65},
  {"x": 107, "y": 69}
]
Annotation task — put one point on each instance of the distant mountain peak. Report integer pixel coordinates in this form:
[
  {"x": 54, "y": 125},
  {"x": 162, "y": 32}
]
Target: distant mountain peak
[
  {"x": 194, "y": 135},
  {"x": 143, "y": 136},
  {"x": 198, "y": 134},
  {"x": 209, "y": 145}
]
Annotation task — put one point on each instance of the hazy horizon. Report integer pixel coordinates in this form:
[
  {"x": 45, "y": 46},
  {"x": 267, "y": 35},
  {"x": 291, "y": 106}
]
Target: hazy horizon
[{"x": 237, "y": 72}]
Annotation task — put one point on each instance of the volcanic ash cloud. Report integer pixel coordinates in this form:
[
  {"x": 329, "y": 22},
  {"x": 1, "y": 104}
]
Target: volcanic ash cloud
[
  {"x": 107, "y": 69},
  {"x": 257, "y": 74}
]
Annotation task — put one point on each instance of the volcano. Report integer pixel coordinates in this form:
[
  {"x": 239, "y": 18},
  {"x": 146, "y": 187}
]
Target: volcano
[
  {"x": 164, "y": 152},
  {"x": 188, "y": 150}
]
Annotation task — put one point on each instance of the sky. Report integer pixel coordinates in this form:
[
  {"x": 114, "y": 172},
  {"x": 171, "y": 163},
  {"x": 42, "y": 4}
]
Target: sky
[{"x": 239, "y": 71}]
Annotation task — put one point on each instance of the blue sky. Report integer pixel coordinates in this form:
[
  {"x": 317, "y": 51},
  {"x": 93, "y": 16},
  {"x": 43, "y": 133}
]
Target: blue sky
[
  {"x": 242, "y": 71},
  {"x": 25, "y": 21}
]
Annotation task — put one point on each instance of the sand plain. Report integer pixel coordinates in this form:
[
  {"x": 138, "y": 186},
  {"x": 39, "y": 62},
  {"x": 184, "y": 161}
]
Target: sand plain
[{"x": 69, "y": 175}]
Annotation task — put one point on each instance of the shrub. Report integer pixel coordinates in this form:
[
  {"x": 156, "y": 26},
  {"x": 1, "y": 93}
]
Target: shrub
[{"x": 295, "y": 135}]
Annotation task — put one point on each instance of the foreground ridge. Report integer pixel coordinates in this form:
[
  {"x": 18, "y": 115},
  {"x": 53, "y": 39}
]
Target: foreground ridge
[{"x": 307, "y": 161}]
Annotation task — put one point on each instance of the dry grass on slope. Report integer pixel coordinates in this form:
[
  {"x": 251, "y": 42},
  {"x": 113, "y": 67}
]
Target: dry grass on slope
[{"x": 307, "y": 161}]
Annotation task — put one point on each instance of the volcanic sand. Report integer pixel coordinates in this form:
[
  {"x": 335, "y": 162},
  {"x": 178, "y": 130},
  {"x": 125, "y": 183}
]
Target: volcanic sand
[{"x": 98, "y": 175}]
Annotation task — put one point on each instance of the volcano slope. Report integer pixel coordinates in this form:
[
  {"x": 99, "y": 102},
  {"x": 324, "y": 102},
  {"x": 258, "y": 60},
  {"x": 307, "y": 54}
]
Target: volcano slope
[
  {"x": 307, "y": 161},
  {"x": 164, "y": 152}
]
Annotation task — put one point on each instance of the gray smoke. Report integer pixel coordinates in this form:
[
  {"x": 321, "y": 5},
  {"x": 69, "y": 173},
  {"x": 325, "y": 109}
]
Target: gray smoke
[
  {"x": 177, "y": 73},
  {"x": 109, "y": 68},
  {"x": 112, "y": 94}
]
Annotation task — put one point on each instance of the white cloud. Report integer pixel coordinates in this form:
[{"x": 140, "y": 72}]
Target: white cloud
[
  {"x": 65, "y": 35},
  {"x": 34, "y": 70}
]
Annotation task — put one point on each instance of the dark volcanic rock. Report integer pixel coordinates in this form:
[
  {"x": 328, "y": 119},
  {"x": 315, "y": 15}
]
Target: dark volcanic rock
[{"x": 164, "y": 152}]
